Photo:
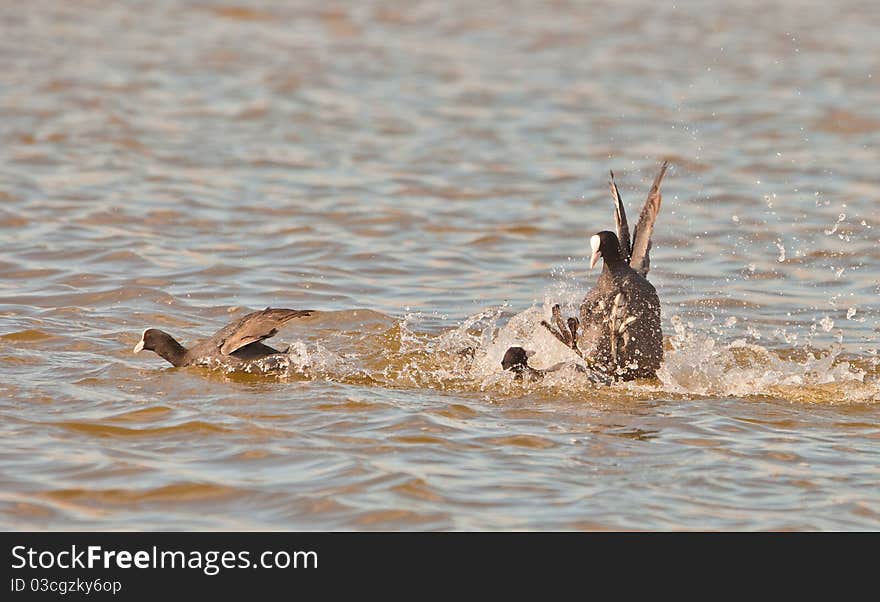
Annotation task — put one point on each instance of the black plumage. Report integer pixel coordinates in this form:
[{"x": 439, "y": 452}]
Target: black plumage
[
  {"x": 621, "y": 332},
  {"x": 516, "y": 360},
  {"x": 234, "y": 345},
  {"x": 619, "y": 328}
]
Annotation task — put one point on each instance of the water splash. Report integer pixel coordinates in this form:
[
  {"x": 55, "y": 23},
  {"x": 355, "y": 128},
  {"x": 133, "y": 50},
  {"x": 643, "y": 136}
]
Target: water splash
[
  {"x": 700, "y": 364},
  {"x": 700, "y": 360}
]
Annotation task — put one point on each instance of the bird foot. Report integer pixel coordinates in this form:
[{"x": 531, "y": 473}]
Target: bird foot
[{"x": 565, "y": 331}]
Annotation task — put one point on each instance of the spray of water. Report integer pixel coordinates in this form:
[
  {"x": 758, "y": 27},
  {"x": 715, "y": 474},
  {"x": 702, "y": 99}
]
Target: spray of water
[{"x": 702, "y": 359}]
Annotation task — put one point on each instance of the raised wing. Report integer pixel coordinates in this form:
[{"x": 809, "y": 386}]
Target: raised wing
[
  {"x": 620, "y": 220},
  {"x": 640, "y": 260},
  {"x": 256, "y": 326}
]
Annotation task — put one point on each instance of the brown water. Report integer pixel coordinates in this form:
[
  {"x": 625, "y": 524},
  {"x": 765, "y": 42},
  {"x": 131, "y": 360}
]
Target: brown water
[{"x": 427, "y": 175}]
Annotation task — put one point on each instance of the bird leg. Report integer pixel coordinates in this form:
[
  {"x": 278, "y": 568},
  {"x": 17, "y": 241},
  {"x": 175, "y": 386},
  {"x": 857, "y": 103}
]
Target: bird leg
[
  {"x": 565, "y": 332},
  {"x": 573, "y": 329},
  {"x": 560, "y": 336},
  {"x": 560, "y": 323},
  {"x": 561, "y": 332}
]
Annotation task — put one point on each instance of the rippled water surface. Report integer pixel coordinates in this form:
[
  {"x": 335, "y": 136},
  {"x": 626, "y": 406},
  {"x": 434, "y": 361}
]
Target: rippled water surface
[{"x": 426, "y": 176}]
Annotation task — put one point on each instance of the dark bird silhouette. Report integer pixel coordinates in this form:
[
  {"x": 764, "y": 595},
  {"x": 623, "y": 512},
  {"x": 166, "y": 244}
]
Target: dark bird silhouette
[
  {"x": 234, "y": 345},
  {"x": 516, "y": 360},
  {"x": 619, "y": 331}
]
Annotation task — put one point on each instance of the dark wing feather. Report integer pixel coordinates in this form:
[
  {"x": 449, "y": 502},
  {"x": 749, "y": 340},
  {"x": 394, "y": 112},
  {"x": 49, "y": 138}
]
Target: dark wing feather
[
  {"x": 255, "y": 326},
  {"x": 620, "y": 219},
  {"x": 640, "y": 260}
]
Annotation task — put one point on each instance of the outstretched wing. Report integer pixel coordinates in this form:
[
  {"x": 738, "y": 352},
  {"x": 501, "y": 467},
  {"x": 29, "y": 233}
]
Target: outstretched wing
[
  {"x": 620, "y": 220},
  {"x": 640, "y": 260},
  {"x": 254, "y": 327}
]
